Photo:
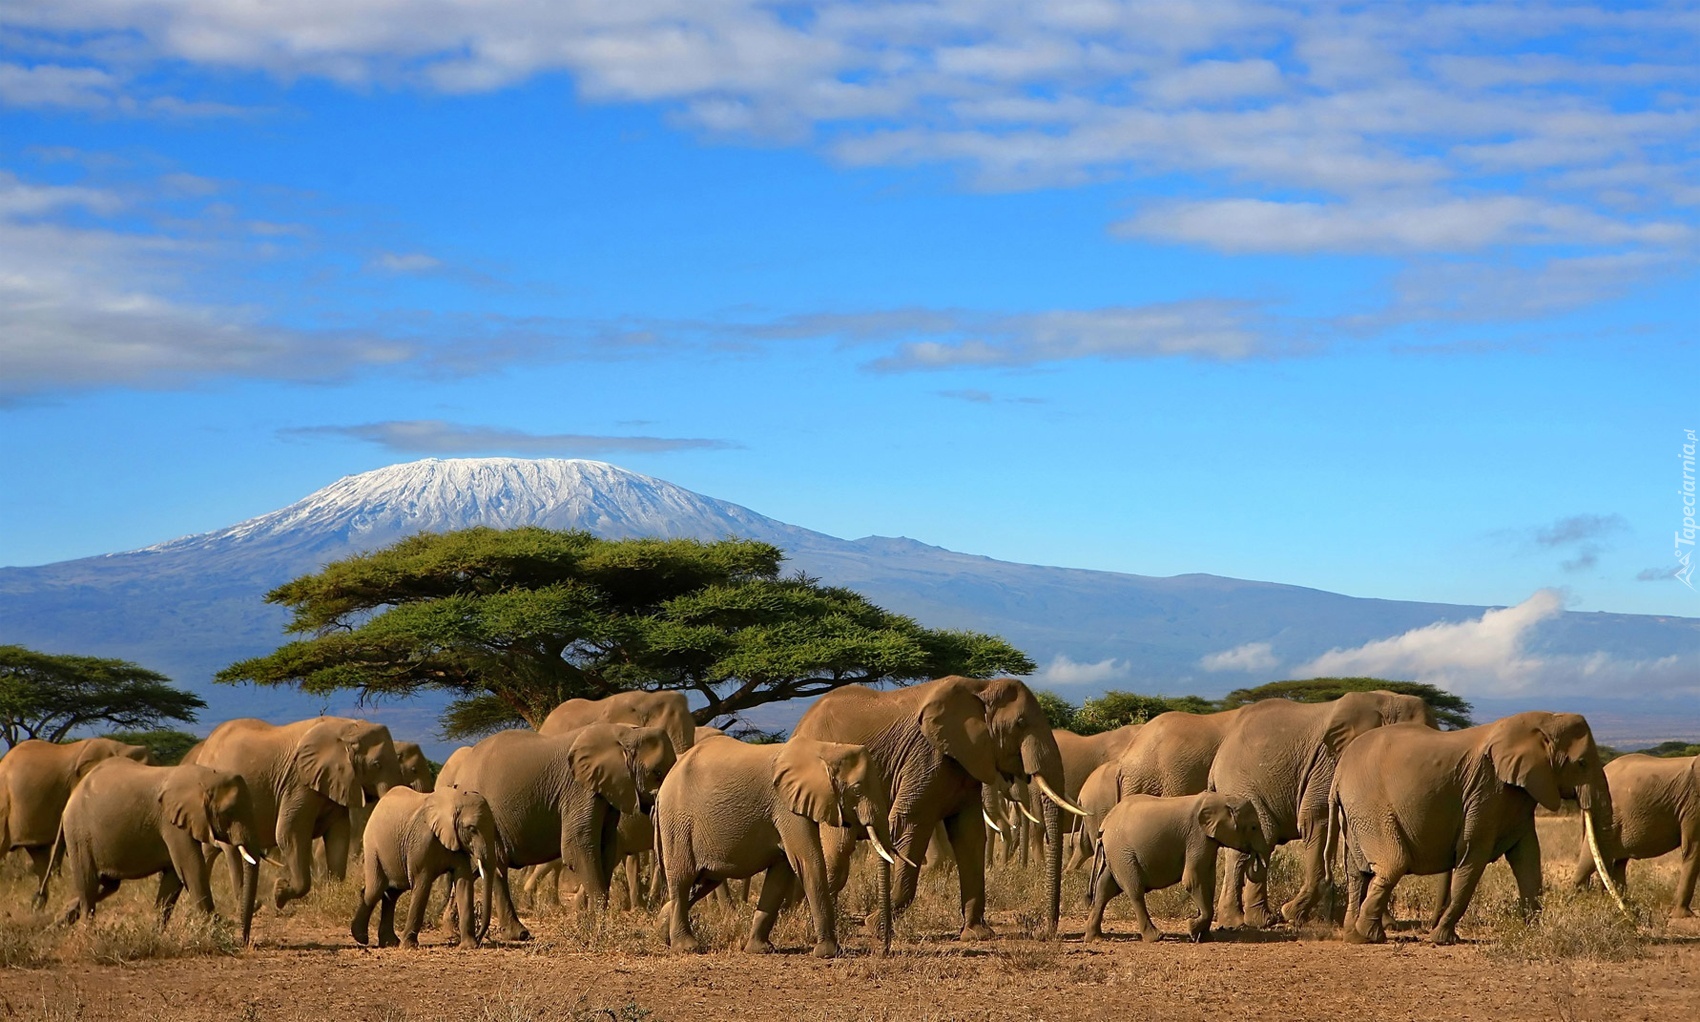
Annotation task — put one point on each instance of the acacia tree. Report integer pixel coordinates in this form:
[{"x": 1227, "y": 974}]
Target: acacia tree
[
  {"x": 1453, "y": 712},
  {"x": 48, "y": 696},
  {"x": 514, "y": 622}
]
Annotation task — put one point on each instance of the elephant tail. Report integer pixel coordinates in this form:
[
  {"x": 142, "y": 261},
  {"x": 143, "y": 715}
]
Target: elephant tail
[
  {"x": 1335, "y": 835},
  {"x": 53, "y": 862},
  {"x": 1100, "y": 863}
]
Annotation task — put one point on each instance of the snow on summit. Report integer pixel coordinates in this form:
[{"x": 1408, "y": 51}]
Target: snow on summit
[{"x": 374, "y": 508}]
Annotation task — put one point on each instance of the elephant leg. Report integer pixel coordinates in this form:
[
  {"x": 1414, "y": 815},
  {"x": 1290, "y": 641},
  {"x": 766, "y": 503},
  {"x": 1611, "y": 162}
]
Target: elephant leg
[
  {"x": 358, "y": 928},
  {"x": 1367, "y": 928},
  {"x": 40, "y": 857},
  {"x": 337, "y": 839},
  {"x": 1524, "y": 858},
  {"x": 681, "y": 879},
  {"x": 1686, "y": 877},
  {"x": 634, "y": 881},
  {"x": 1102, "y": 891},
  {"x": 165, "y": 897},
  {"x": 510, "y": 927},
  {"x": 968, "y": 841},
  {"x": 1443, "y": 895},
  {"x": 386, "y": 920},
  {"x": 1584, "y": 870},
  {"x": 837, "y": 844},
  {"x": 776, "y": 884},
  {"x": 422, "y": 883},
  {"x": 1148, "y": 931},
  {"x": 460, "y": 891},
  {"x": 1200, "y": 882},
  {"x": 1228, "y": 906},
  {"x": 1464, "y": 880},
  {"x": 1313, "y": 839}
]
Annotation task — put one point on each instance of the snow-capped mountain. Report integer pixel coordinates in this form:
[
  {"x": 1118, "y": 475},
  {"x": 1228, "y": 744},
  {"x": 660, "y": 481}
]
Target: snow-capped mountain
[{"x": 192, "y": 605}]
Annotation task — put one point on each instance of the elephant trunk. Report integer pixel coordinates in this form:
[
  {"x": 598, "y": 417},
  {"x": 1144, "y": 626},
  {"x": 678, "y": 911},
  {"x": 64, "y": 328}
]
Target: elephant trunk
[
  {"x": 1053, "y": 866},
  {"x": 884, "y": 872},
  {"x": 1043, "y": 764},
  {"x": 250, "y": 890}
]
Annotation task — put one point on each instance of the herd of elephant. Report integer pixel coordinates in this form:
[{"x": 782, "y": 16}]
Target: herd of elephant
[{"x": 936, "y": 770}]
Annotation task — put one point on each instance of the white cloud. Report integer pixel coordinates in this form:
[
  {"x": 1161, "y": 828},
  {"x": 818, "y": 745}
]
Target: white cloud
[
  {"x": 1252, "y": 656},
  {"x": 1402, "y": 126},
  {"x": 406, "y": 263},
  {"x": 1482, "y": 655},
  {"x": 1063, "y": 671},
  {"x": 434, "y": 436}
]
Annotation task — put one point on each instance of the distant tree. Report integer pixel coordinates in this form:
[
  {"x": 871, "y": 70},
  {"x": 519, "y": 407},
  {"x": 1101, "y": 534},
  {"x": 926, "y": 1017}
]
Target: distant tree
[
  {"x": 1059, "y": 711},
  {"x": 165, "y": 747},
  {"x": 1672, "y": 749},
  {"x": 48, "y": 696},
  {"x": 1116, "y": 709},
  {"x": 1451, "y": 711},
  {"x": 515, "y": 622}
]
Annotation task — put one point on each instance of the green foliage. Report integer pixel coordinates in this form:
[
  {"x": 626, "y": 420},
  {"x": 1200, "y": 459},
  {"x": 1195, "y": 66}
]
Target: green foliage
[
  {"x": 515, "y": 622},
  {"x": 165, "y": 747},
  {"x": 1671, "y": 749},
  {"x": 1451, "y": 711},
  {"x": 49, "y": 696},
  {"x": 1116, "y": 709},
  {"x": 1058, "y": 711}
]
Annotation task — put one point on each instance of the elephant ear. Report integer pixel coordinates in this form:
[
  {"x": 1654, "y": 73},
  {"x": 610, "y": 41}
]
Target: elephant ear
[
  {"x": 186, "y": 802},
  {"x": 954, "y": 719},
  {"x": 601, "y": 765},
  {"x": 805, "y": 782},
  {"x": 1523, "y": 758},
  {"x": 324, "y": 763},
  {"x": 1354, "y": 713},
  {"x": 440, "y": 817},
  {"x": 1216, "y": 818}
]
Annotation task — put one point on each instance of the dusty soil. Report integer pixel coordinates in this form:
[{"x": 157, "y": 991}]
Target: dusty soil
[
  {"x": 611, "y": 967},
  {"x": 316, "y": 973}
]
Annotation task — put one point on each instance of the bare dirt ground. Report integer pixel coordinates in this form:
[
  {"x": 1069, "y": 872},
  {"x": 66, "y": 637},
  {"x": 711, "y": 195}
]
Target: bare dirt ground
[{"x": 1581, "y": 963}]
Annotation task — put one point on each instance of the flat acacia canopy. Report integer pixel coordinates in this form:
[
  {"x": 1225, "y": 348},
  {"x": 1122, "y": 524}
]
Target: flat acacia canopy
[{"x": 514, "y": 622}]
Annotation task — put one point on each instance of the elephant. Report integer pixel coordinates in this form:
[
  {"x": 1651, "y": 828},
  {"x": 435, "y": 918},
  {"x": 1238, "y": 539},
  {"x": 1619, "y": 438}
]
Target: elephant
[
  {"x": 415, "y": 768},
  {"x": 1410, "y": 799},
  {"x": 561, "y": 797},
  {"x": 730, "y": 810},
  {"x": 1280, "y": 756},
  {"x": 1081, "y": 755},
  {"x": 127, "y": 820},
  {"x": 1007, "y": 823},
  {"x": 636, "y": 835},
  {"x": 1171, "y": 755},
  {"x": 1655, "y": 810},
  {"x": 937, "y": 742},
  {"x": 668, "y": 711},
  {"x": 304, "y": 778},
  {"x": 1149, "y": 843},
  {"x": 36, "y": 778},
  {"x": 412, "y": 838},
  {"x": 1097, "y": 796}
]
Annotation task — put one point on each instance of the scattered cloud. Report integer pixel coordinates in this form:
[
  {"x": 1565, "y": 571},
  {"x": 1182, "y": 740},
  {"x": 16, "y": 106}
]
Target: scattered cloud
[
  {"x": 1379, "y": 127},
  {"x": 1657, "y": 574},
  {"x": 1252, "y": 656},
  {"x": 405, "y": 263},
  {"x": 986, "y": 397},
  {"x": 434, "y": 436},
  {"x": 95, "y": 89},
  {"x": 1579, "y": 529},
  {"x": 1062, "y": 671}
]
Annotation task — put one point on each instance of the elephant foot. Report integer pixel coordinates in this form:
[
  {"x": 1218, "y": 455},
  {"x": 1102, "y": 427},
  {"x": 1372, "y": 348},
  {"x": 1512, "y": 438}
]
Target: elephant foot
[
  {"x": 1230, "y": 920},
  {"x": 1258, "y": 916},
  {"x": 1092, "y": 933},
  {"x": 826, "y": 949},
  {"x": 758, "y": 946},
  {"x": 359, "y": 934},
  {"x": 1200, "y": 936},
  {"x": 1353, "y": 935},
  {"x": 514, "y": 932},
  {"x": 687, "y": 943},
  {"x": 974, "y": 931},
  {"x": 1295, "y": 911},
  {"x": 388, "y": 940},
  {"x": 1151, "y": 936},
  {"x": 1441, "y": 936},
  {"x": 1682, "y": 912}
]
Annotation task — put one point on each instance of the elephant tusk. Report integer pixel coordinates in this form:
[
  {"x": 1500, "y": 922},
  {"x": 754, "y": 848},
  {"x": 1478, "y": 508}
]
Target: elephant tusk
[
  {"x": 1028, "y": 813},
  {"x": 478, "y": 868},
  {"x": 991, "y": 822},
  {"x": 878, "y": 847},
  {"x": 246, "y": 857},
  {"x": 1600, "y": 862},
  {"x": 1051, "y": 794}
]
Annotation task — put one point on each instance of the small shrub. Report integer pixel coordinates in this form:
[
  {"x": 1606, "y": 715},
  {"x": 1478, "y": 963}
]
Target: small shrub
[
  {"x": 1572, "y": 924},
  {"x": 25, "y": 942},
  {"x": 133, "y": 937}
]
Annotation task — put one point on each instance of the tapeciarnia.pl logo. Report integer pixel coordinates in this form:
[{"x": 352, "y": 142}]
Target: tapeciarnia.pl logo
[{"x": 1685, "y": 536}]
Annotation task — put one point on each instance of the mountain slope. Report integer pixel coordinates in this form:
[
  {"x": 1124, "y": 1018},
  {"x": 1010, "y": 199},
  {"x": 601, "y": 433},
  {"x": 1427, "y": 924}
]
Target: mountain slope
[{"x": 191, "y": 605}]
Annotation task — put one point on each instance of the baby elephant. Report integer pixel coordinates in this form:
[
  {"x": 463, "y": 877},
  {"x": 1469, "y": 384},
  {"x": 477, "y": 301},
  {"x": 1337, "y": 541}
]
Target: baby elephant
[
  {"x": 413, "y": 838},
  {"x": 1149, "y": 843},
  {"x": 126, "y": 820},
  {"x": 729, "y": 811}
]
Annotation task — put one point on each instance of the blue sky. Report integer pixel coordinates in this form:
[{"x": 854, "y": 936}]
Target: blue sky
[{"x": 1395, "y": 301}]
